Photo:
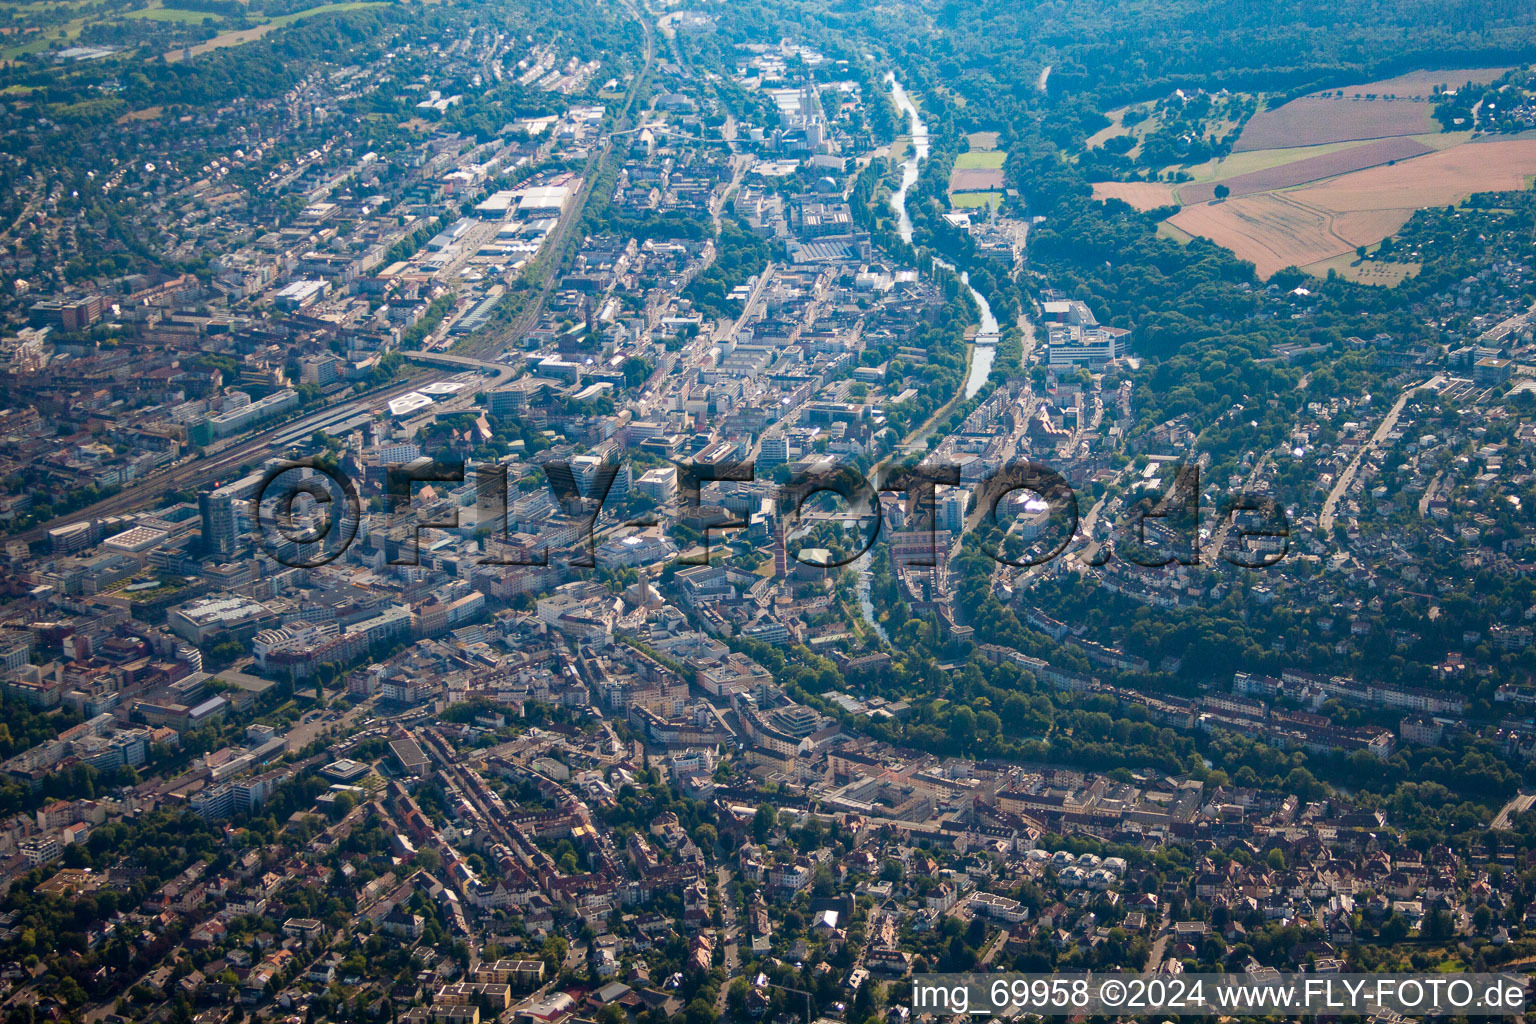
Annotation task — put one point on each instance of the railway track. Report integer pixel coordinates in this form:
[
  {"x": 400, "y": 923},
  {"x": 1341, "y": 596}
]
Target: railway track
[
  {"x": 260, "y": 446},
  {"x": 497, "y": 342}
]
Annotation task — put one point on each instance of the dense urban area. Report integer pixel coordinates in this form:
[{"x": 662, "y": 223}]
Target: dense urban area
[{"x": 652, "y": 511}]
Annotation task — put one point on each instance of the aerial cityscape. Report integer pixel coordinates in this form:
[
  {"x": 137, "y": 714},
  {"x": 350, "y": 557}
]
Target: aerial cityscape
[{"x": 685, "y": 512}]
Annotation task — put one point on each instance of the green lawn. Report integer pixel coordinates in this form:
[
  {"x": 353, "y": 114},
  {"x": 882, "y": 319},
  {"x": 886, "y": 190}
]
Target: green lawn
[
  {"x": 975, "y": 200},
  {"x": 352, "y": 5},
  {"x": 1382, "y": 273},
  {"x": 1233, "y": 164},
  {"x": 1166, "y": 230},
  {"x": 65, "y": 35},
  {"x": 239, "y": 37},
  {"x": 986, "y": 160},
  {"x": 173, "y": 14}
]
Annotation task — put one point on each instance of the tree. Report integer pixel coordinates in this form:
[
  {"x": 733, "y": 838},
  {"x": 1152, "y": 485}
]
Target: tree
[
  {"x": 700, "y": 1011},
  {"x": 962, "y": 725},
  {"x": 636, "y": 370},
  {"x": 763, "y": 821},
  {"x": 1222, "y": 191},
  {"x": 342, "y": 805},
  {"x": 736, "y": 998},
  {"x": 1482, "y": 917},
  {"x": 553, "y": 952},
  {"x": 706, "y": 838}
]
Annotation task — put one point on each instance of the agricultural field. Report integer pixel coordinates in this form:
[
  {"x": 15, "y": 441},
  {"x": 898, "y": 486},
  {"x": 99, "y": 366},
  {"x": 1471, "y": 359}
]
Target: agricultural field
[
  {"x": 1167, "y": 230},
  {"x": 1309, "y": 183},
  {"x": 85, "y": 29},
  {"x": 1373, "y": 110},
  {"x": 1234, "y": 164},
  {"x": 1315, "y": 168},
  {"x": 1271, "y": 231},
  {"x": 1423, "y": 83},
  {"x": 174, "y": 15},
  {"x": 1492, "y": 164},
  {"x": 1316, "y": 120},
  {"x": 1310, "y": 225},
  {"x": 56, "y": 29},
  {"x": 1142, "y": 195},
  {"x": 147, "y": 114}
]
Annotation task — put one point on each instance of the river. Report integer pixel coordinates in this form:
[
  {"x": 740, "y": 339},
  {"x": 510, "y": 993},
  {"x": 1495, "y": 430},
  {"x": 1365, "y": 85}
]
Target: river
[
  {"x": 984, "y": 351},
  {"x": 985, "y": 348},
  {"x": 866, "y": 578},
  {"x": 920, "y": 149}
]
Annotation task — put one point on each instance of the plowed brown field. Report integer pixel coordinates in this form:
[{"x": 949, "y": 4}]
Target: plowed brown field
[{"x": 1311, "y": 224}]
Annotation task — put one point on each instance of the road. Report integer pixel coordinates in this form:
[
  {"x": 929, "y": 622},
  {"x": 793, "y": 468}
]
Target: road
[
  {"x": 1211, "y": 552},
  {"x": 268, "y": 442},
  {"x": 1519, "y": 805},
  {"x": 718, "y": 202},
  {"x": 1429, "y": 494},
  {"x": 1325, "y": 516},
  {"x": 728, "y": 934},
  {"x": 502, "y": 371},
  {"x": 739, "y": 165},
  {"x": 1503, "y": 328},
  {"x": 315, "y": 724},
  {"x": 993, "y": 948},
  {"x": 479, "y": 234},
  {"x": 1029, "y": 341},
  {"x": 1155, "y": 958},
  {"x": 746, "y": 310},
  {"x": 1010, "y": 451}
]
